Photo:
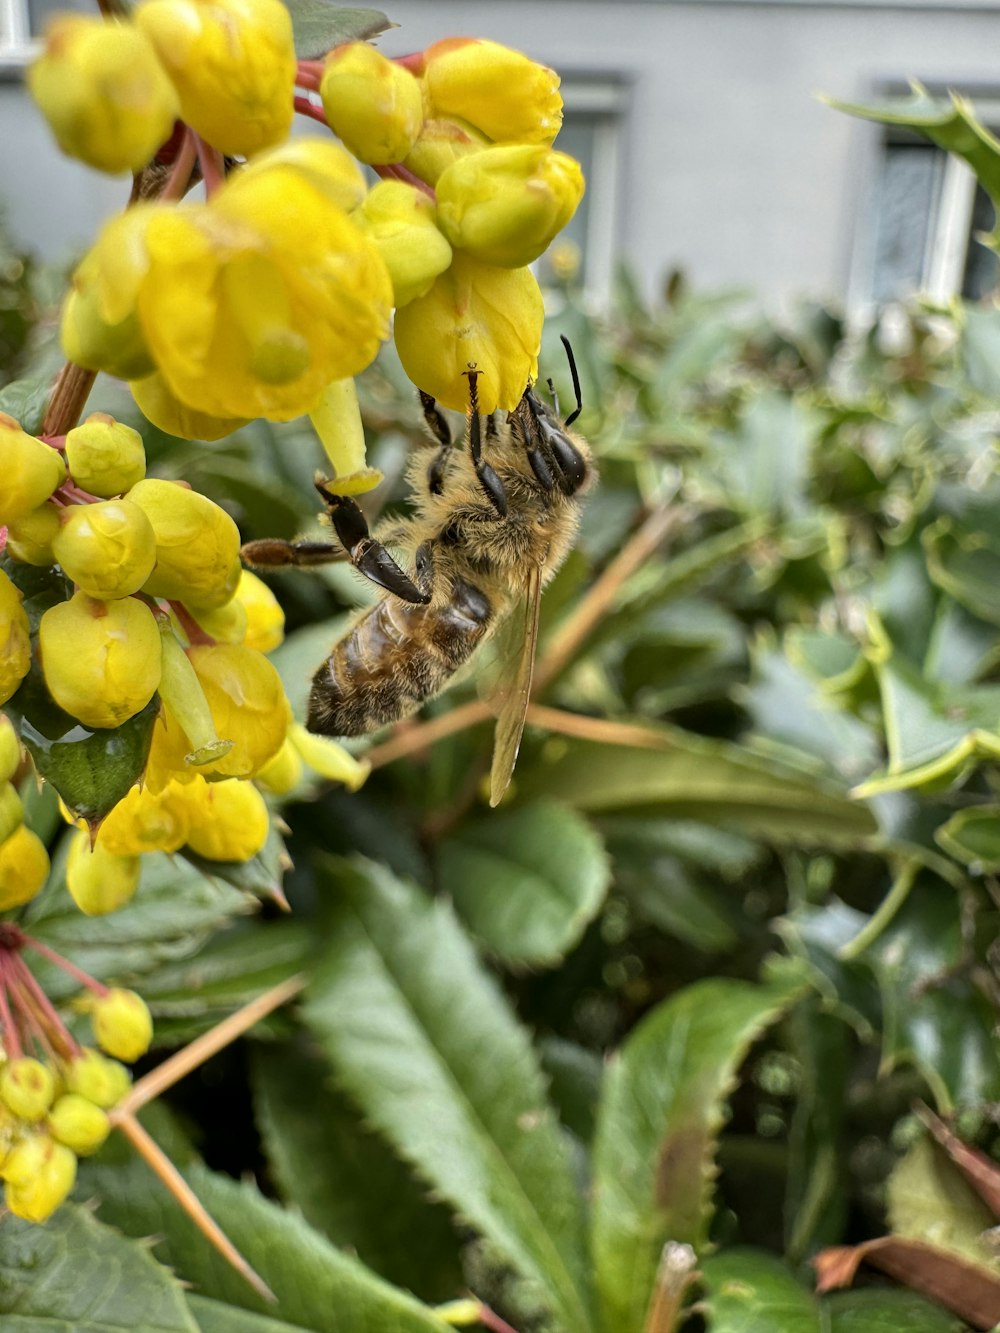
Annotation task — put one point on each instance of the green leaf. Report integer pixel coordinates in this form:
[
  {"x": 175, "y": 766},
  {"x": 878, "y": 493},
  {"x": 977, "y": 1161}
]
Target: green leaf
[
  {"x": 319, "y": 26},
  {"x": 217, "y": 1317},
  {"x": 77, "y": 1275},
  {"x": 26, "y": 400},
  {"x": 347, "y": 1182},
  {"x": 669, "y": 772},
  {"x": 750, "y": 1291},
  {"x": 887, "y": 1311},
  {"x": 526, "y": 882},
  {"x": 966, "y": 564},
  {"x": 661, "y": 1112},
  {"x": 317, "y": 1286},
  {"x": 928, "y": 1199},
  {"x": 973, "y": 837},
  {"x": 765, "y": 460},
  {"x": 262, "y": 875},
  {"x": 424, "y": 1041}
]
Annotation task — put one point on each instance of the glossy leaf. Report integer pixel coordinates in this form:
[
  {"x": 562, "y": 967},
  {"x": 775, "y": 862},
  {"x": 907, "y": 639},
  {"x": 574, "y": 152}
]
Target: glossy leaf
[
  {"x": 661, "y": 1112},
  {"x": 526, "y": 882},
  {"x": 750, "y": 1291},
  {"x": 26, "y": 400},
  {"x": 884, "y": 1310},
  {"x": 929, "y": 1199},
  {"x": 423, "y": 1040}
]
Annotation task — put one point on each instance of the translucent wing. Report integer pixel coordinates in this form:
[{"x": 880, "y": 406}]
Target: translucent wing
[{"x": 514, "y": 704}]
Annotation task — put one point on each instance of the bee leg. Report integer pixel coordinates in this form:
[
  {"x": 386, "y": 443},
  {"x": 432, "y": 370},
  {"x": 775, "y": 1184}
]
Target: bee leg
[
  {"x": 274, "y": 553},
  {"x": 488, "y": 479},
  {"x": 571, "y": 470},
  {"x": 438, "y": 427},
  {"x": 368, "y": 556}
]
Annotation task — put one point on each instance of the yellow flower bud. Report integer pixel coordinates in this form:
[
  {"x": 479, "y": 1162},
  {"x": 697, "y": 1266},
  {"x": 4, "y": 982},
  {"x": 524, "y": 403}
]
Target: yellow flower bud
[
  {"x": 122, "y": 1024},
  {"x": 374, "y": 105},
  {"x": 498, "y": 91},
  {"x": 166, "y": 411},
  {"x": 99, "y": 882},
  {"x": 27, "y": 1087},
  {"x": 102, "y": 1081},
  {"x": 105, "y": 456},
  {"x": 11, "y": 811},
  {"x": 30, "y": 537},
  {"x": 107, "y": 548},
  {"x": 265, "y": 620},
  {"x": 504, "y": 205},
  {"x": 402, "y": 221},
  {"x": 43, "y": 1175},
  {"x": 144, "y": 821},
  {"x": 475, "y": 316},
  {"x": 227, "y": 624},
  {"x": 329, "y": 759},
  {"x": 101, "y": 660},
  {"x": 100, "y": 324},
  {"x": 24, "y": 867},
  {"x": 32, "y": 470},
  {"x": 440, "y": 143},
  {"x": 15, "y": 643},
  {"x": 283, "y": 773},
  {"x": 321, "y": 163},
  {"x": 232, "y": 63},
  {"x": 79, "y": 1124},
  {"x": 10, "y": 750},
  {"x": 197, "y": 544},
  {"x": 248, "y": 705},
  {"x": 229, "y": 820},
  {"x": 103, "y": 91}
]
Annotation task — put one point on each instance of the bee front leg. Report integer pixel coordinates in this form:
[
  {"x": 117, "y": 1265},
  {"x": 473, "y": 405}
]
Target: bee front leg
[
  {"x": 368, "y": 556},
  {"x": 438, "y": 427}
]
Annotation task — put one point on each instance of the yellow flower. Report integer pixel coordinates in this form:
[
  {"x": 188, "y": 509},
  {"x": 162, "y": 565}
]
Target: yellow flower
[
  {"x": 105, "y": 456},
  {"x": 232, "y": 63},
  {"x": 374, "y": 105},
  {"x": 321, "y": 163},
  {"x": 30, "y": 537},
  {"x": 229, "y": 820},
  {"x": 39, "y": 1174},
  {"x": 440, "y": 143},
  {"x": 166, "y": 411},
  {"x": 98, "y": 881},
  {"x": 145, "y": 821},
  {"x": 254, "y": 302},
  {"x": 475, "y": 316},
  {"x": 122, "y": 1024},
  {"x": 15, "y": 643},
  {"x": 103, "y": 91},
  {"x": 265, "y": 620},
  {"x": 402, "y": 221},
  {"x": 197, "y": 544},
  {"x": 78, "y": 1123},
  {"x": 500, "y": 92},
  {"x": 504, "y": 205},
  {"x": 107, "y": 548},
  {"x": 32, "y": 470},
  {"x": 24, "y": 867}
]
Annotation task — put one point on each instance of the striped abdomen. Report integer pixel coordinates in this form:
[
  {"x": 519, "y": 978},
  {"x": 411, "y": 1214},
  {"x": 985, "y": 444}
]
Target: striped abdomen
[{"x": 393, "y": 658}]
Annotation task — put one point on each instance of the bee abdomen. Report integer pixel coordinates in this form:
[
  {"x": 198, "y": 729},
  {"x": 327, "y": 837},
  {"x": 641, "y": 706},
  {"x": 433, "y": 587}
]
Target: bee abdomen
[{"x": 393, "y": 659}]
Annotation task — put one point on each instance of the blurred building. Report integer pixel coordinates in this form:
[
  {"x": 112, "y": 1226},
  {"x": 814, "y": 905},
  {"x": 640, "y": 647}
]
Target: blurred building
[{"x": 699, "y": 125}]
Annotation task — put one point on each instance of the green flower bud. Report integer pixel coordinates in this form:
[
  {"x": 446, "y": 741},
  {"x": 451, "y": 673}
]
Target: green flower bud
[
  {"x": 24, "y": 867},
  {"x": 102, "y": 1081},
  {"x": 504, "y": 205},
  {"x": 10, "y": 750},
  {"x": 78, "y": 1123},
  {"x": 101, "y": 660},
  {"x": 229, "y": 820},
  {"x": 107, "y": 548},
  {"x": 372, "y": 104},
  {"x": 402, "y": 221},
  {"x": 27, "y": 1087},
  {"x": 15, "y": 641},
  {"x": 197, "y": 544},
  {"x": 99, "y": 882},
  {"x": 105, "y": 456},
  {"x": 122, "y": 1024},
  {"x": 39, "y": 1174},
  {"x": 11, "y": 811},
  {"x": 32, "y": 470},
  {"x": 30, "y": 537}
]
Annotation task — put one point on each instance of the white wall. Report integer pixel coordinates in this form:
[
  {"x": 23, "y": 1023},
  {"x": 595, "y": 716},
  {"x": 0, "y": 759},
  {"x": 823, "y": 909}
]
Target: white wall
[{"x": 734, "y": 171}]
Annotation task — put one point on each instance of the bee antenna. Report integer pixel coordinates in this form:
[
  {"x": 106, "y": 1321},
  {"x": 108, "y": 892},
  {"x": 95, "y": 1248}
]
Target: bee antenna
[{"x": 576, "y": 380}]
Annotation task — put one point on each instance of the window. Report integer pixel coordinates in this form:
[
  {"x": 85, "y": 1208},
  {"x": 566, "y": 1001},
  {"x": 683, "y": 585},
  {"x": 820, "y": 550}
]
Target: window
[{"x": 22, "y": 22}]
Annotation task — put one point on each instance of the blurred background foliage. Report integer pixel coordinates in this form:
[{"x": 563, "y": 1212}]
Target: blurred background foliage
[{"x": 766, "y": 872}]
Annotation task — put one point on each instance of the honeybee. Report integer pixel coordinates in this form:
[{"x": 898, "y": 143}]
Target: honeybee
[{"x": 493, "y": 521}]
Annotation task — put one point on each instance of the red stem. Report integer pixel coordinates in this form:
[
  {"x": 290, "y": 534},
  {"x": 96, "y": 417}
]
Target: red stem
[
  {"x": 414, "y": 62},
  {"x": 490, "y": 1319},
  {"x": 195, "y": 633},
  {"x": 59, "y": 1031},
  {"x": 77, "y": 973},
  {"x": 395, "y": 171},
  {"x": 213, "y": 167},
  {"x": 11, "y": 1039},
  {"x": 307, "y": 78},
  {"x": 180, "y": 173},
  {"x": 305, "y": 107}
]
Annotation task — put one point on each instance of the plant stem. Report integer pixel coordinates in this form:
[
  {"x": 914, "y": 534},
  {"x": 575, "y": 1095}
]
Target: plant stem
[
  {"x": 42, "y": 1001},
  {"x": 11, "y": 1037},
  {"x": 178, "y": 181},
  {"x": 77, "y": 973},
  {"x": 69, "y": 397}
]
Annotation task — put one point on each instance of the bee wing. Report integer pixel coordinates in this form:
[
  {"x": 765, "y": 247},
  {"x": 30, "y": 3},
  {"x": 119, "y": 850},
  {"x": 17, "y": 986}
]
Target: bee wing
[{"x": 514, "y": 704}]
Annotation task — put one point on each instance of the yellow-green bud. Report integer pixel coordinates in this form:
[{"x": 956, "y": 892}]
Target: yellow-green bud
[
  {"x": 27, "y": 1087},
  {"x": 15, "y": 641},
  {"x": 10, "y": 750},
  {"x": 474, "y": 315},
  {"x": 372, "y": 104},
  {"x": 101, "y": 660},
  {"x": 283, "y": 773},
  {"x": 441, "y": 143},
  {"x": 185, "y": 714},
  {"x": 328, "y": 758},
  {"x": 78, "y": 1123},
  {"x": 402, "y": 221},
  {"x": 99, "y": 882},
  {"x": 30, "y": 537},
  {"x": 107, "y": 548},
  {"x": 122, "y": 1024},
  {"x": 24, "y": 867},
  {"x": 105, "y": 456},
  {"x": 504, "y": 205},
  {"x": 11, "y": 810},
  {"x": 232, "y": 63},
  {"x": 39, "y": 1174},
  {"x": 227, "y": 624},
  {"x": 102, "y": 1081},
  {"x": 500, "y": 92},
  {"x": 103, "y": 91},
  {"x": 197, "y": 544},
  {"x": 229, "y": 820},
  {"x": 32, "y": 470}
]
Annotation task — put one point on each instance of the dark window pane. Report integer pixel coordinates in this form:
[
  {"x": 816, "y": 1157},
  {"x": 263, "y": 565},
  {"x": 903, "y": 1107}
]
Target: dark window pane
[
  {"x": 982, "y": 266},
  {"x": 39, "y": 11},
  {"x": 907, "y": 204}
]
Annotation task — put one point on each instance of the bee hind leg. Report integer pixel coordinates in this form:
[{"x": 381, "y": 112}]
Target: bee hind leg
[
  {"x": 438, "y": 427},
  {"x": 368, "y": 556}
]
